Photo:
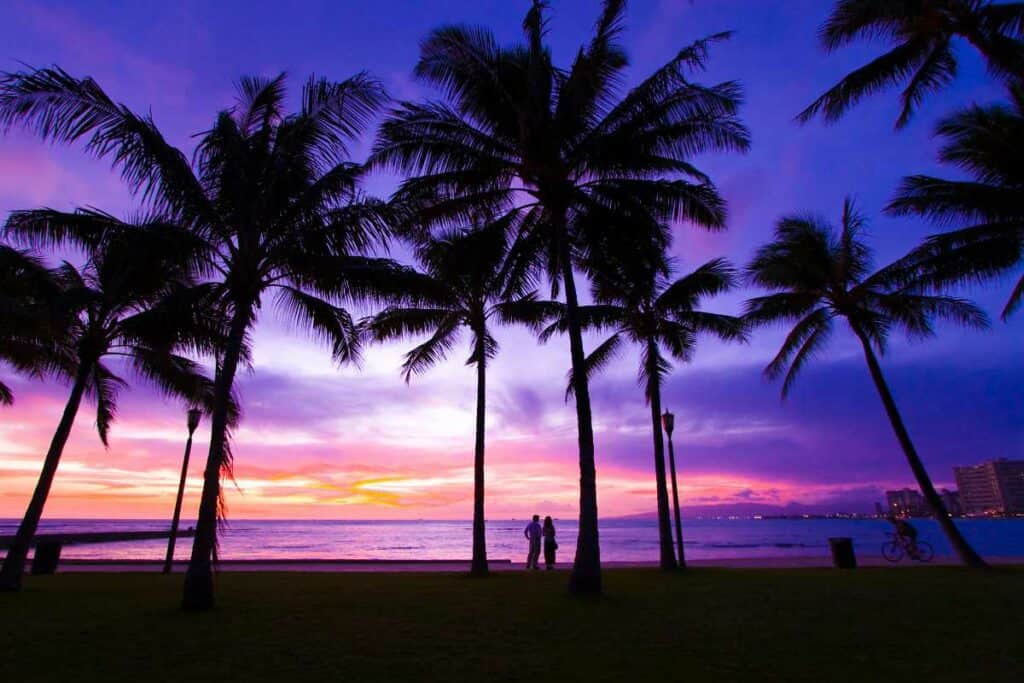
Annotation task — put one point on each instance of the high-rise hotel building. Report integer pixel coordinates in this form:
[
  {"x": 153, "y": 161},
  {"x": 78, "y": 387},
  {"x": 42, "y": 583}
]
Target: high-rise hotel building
[{"x": 995, "y": 487}]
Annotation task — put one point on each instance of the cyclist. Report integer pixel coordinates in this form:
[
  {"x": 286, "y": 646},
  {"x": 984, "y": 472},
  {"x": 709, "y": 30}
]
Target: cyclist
[{"x": 906, "y": 532}]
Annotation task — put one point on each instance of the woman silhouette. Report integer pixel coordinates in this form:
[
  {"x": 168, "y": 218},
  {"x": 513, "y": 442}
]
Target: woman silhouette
[{"x": 550, "y": 545}]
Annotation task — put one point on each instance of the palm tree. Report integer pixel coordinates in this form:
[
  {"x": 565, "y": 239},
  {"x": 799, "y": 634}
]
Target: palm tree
[
  {"x": 473, "y": 283},
  {"x": 642, "y": 304},
  {"x": 816, "y": 276},
  {"x": 984, "y": 142},
  {"x": 29, "y": 323},
  {"x": 273, "y": 200},
  {"x": 122, "y": 305},
  {"x": 922, "y": 34},
  {"x": 570, "y": 155}
]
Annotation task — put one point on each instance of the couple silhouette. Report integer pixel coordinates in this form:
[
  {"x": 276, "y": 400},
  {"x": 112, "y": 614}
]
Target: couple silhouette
[{"x": 534, "y": 534}]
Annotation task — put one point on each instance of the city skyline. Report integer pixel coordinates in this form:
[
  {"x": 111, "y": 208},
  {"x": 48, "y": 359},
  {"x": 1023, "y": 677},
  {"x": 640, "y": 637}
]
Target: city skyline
[{"x": 350, "y": 443}]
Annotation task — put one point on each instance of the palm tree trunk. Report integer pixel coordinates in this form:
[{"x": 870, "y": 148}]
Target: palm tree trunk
[
  {"x": 14, "y": 563},
  {"x": 967, "y": 554},
  {"x": 478, "y": 566},
  {"x": 668, "y": 556},
  {"x": 585, "y": 578},
  {"x": 675, "y": 502},
  {"x": 198, "y": 593}
]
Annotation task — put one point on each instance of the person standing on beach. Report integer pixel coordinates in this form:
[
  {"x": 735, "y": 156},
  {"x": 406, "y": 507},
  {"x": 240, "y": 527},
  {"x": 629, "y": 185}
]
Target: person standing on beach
[
  {"x": 550, "y": 545},
  {"x": 532, "y": 532}
]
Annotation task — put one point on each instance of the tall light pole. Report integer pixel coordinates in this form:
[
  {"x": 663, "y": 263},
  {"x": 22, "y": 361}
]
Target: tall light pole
[
  {"x": 668, "y": 421},
  {"x": 193, "y": 421}
]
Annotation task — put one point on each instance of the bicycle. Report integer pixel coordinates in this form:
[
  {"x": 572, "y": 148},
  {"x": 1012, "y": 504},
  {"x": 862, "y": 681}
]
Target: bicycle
[{"x": 897, "y": 546}]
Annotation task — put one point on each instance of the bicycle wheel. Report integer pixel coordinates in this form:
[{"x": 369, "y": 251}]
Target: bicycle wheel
[
  {"x": 924, "y": 551},
  {"x": 892, "y": 551}
]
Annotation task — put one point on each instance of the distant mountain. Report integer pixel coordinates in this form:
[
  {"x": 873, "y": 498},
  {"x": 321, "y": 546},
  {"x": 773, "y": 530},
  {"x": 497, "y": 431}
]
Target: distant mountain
[{"x": 752, "y": 509}]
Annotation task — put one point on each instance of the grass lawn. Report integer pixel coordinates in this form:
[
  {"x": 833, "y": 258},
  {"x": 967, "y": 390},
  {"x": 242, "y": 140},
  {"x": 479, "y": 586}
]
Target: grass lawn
[{"x": 921, "y": 624}]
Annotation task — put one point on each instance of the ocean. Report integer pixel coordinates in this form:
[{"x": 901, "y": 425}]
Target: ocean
[{"x": 626, "y": 540}]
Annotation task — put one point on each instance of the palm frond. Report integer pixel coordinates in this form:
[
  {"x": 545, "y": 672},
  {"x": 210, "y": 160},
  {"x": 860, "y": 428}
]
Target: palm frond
[
  {"x": 714, "y": 277},
  {"x": 883, "y": 72},
  {"x": 56, "y": 106},
  {"x": 529, "y": 310},
  {"x": 104, "y": 386},
  {"x": 936, "y": 72},
  {"x": 399, "y": 323},
  {"x": 598, "y": 359},
  {"x": 260, "y": 102},
  {"x": 807, "y": 338},
  {"x": 432, "y": 351},
  {"x": 326, "y": 322}
]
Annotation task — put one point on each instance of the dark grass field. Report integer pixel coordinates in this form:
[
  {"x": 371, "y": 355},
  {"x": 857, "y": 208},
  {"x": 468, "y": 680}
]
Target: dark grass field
[{"x": 922, "y": 624}]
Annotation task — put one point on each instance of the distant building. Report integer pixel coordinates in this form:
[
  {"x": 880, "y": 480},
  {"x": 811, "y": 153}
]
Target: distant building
[
  {"x": 951, "y": 499},
  {"x": 906, "y": 503},
  {"x": 879, "y": 510},
  {"x": 995, "y": 487}
]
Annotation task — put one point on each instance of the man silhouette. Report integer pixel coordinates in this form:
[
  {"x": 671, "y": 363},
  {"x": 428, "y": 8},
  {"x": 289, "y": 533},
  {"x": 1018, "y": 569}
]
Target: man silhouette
[{"x": 532, "y": 532}]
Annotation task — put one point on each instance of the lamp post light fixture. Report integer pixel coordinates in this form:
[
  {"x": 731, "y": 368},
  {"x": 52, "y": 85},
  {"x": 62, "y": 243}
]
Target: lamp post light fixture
[
  {"x": 668, "y": 422},
  {"x": 192, "y": 422}
]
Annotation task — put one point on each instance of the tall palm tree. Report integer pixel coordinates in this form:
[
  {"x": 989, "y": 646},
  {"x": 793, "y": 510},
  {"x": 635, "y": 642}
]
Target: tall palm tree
[
  {"x": 123, "y": 308},
  {"x": 473, "y": 284},
  {"x": 817, "y": 276},
  {"x": 642, "y": 304},
  {"x": 276, "y": 206},
  {"x": 922, "y": 35},
  {"x": 29, "y": 322},
  {"x": 986, "y": 143},
  {"x": 571, "y": 155}
]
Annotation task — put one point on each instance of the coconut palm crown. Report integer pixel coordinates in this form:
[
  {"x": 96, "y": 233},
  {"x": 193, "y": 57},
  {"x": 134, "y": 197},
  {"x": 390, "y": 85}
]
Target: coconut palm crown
[
  {"x": 572, "y": 154},
  {"x": 817, "y": 275},
  {"x": 121, "y": 305},
  {"x": 275, "y": 204},
  {"x": 922, "y": 55},
  {"x": 30, "y": 324},
  {"x": 474, "y": 284},
  {"x": 640, "y": 303},
  {"x": 986, "y": 210}
]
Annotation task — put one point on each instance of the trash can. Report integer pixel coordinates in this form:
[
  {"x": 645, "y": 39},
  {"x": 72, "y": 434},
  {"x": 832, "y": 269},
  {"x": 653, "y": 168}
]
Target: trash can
[
  {"x": 46, "y": 558},
  {"x": 842, "y": 552}
]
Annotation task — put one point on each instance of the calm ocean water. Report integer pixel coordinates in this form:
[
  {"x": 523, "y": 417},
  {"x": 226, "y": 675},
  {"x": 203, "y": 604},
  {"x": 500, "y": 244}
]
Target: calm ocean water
[{"x": 621, "y": 540}]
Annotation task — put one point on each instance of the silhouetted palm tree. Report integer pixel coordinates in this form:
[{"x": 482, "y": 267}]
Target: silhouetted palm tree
[
  {"x": 571, "y": 154},
  {"x": 123, "y": 306},
  {"x": 29, "y": 322},
  {"x": 473, "y": 284},
  {"x": 275, "y": 203},
  {"x": 642, "y": 305},
  {"x": 816, "y": 276},
  {"x": 922, "y": 34},
  {"x": 985, "y": 143}
]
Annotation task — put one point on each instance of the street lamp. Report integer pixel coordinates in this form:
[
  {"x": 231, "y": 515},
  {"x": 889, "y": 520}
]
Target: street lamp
[
  {"x": 192, "y": 422},
  {"x": 668, "y": 422}
]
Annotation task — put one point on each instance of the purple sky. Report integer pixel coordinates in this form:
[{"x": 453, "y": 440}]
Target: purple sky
[{"x": 829, "y": 444}]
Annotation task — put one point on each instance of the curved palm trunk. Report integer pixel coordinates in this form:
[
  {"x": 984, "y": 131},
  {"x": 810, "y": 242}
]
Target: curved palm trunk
[
  {"x": 479, "y": 563},
  {"x": 675, "y": 502},
  {"x": 198, "y": 593},
  {"x": 14, "y": 563},
  {"x": 585, "y": 578},
  {"x": 967, "y": 554},
  {"x": 668, "y": 556}
]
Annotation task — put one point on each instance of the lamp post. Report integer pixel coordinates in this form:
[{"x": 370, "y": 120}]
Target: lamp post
[
  {"x": 668, "y": 421},
  {"x": 193, "y": 421}
]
